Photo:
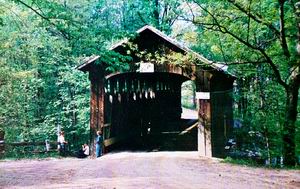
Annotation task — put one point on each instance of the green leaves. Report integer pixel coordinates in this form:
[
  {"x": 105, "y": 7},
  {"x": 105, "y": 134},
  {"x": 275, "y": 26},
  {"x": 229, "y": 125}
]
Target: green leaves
[{"x": 41, "y": 42}]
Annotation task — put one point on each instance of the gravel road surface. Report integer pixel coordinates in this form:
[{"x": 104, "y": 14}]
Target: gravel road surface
[{"x": 182, "y": 170}]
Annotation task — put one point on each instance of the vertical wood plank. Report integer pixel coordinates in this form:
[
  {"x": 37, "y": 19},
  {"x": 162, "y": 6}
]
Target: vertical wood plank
[
  {"x": 202, "y": 82},
  {"x": 96, "y": 104}
]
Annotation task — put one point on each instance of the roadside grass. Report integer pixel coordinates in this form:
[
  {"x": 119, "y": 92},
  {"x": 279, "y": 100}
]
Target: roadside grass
[
  {"x": 255, "y": 164},
  {"x": 245, "y": 162},
  {"x": 19, "y": 156}
]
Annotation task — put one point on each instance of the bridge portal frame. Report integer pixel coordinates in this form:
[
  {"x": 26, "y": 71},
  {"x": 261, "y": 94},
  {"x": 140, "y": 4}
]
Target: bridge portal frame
[{"x": 215, "y": 113}]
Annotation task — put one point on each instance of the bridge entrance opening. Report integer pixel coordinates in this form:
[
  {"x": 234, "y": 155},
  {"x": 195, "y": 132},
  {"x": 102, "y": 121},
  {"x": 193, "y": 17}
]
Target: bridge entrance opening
[{"x": 143, "y": 111}]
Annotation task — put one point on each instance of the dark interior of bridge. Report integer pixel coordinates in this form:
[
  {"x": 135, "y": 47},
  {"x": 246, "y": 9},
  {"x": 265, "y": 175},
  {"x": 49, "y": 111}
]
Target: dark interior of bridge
[{"x": 143, "y": 112}]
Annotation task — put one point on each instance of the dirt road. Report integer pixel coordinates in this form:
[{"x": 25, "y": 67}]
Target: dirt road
[{"x": 182, "y": 170}]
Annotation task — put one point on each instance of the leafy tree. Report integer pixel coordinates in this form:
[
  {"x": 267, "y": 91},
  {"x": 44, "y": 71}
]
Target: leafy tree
[
  {"x": 41, "y": 42},
  {"x": 249, "y": 33},
  {"x": 35, "y": 61}
]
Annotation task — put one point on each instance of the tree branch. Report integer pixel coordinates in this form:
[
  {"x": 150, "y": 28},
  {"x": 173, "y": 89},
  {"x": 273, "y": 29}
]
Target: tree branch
[
  {"x": 221, "y": 48},
  {"x": 224, "y": 30},
  {"x": 62, "y": 32},
  {"x": 275, "y": 69},
  {"x": 191, "y": 10},
  {"x": 141, "y": 17},
  {"x": 165, "y": 13},
  {"x": 282, "y": 30},
  {"x": 280, "y": 34},
  {"x": 246, "y": 62},
  {"x": 249, "y": 21},
  {"x": 256, "y": 18},
  {"x": 173, "y": 21}
]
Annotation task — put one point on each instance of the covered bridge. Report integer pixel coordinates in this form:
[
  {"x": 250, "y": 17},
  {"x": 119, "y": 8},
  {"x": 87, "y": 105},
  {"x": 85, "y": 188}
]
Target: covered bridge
[{"x": 142, "y": 106}]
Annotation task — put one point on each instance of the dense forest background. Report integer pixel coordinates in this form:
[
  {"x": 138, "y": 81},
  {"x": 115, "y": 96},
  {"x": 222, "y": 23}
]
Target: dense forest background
[{"x": 42, "y": 41}]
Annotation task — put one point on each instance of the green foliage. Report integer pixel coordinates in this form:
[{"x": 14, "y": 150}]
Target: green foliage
[
  {"x": 253, "y": 163},
  {"x": 188, "y": 96},
  {"x": 245, "y": 162},
  {"x": 248, "y": 35},
  {"x": 40, "y": 89},
  {"x": 26, "y": 152},
  {"x": 41, "y": 43},
  {"x": 263, "y": 113}
]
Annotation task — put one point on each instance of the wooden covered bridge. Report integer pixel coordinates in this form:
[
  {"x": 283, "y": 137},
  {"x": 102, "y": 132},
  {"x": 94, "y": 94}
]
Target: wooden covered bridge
[{"x": 142, "y": 106}]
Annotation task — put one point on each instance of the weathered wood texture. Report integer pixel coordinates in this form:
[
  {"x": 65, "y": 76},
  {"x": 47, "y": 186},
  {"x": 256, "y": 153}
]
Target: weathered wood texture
[
  {"x": 96, "y": 76},
  {"x": 222, "y": 113},
  {"x": 216, "y": 113},
  {"x": 204, "y": 133},
  {"x": 202, "y": 82},
  {"x": 124, "y": 102}
]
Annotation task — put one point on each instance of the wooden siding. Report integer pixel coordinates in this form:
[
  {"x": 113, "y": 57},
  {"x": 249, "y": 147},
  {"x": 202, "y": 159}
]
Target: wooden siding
[
  {"x": 123, "y": 115},
  {"x": 96, "y": 77}
]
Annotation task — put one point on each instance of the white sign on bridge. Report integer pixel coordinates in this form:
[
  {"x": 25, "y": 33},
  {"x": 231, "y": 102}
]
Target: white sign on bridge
[
  {"x": 203, "y": 95},
  {"x": 146, "y": 67}
]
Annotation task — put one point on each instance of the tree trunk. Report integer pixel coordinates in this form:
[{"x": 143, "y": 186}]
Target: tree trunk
[
  {"x": 291, "y": 107},
  {"x": 289, "y": 132},
  {"x": 156, "y": 14}
]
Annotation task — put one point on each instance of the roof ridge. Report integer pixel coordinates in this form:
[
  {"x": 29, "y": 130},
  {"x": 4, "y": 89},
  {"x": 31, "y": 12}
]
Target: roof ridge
[
  {"x": 169, "y": 39},
  {"x": 214, "y": 65}
]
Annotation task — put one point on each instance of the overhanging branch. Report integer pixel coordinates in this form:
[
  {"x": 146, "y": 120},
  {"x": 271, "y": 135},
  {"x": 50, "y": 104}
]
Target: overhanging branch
[
  {"x": 280, "y": 34},
  {"x": 225, "y": 30},
  {"x": 256, "y": 18},
  {"x": 62, "y": 32}
]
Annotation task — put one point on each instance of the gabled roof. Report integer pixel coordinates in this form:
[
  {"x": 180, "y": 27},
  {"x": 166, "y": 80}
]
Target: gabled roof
[
  {"x": 166, "y": 38},
  {"x": 216, "y": 66},
  {"x": 87, "y": 61}
]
